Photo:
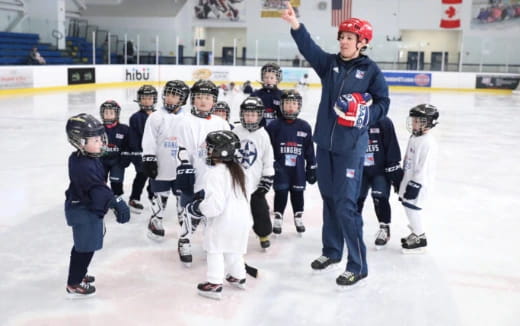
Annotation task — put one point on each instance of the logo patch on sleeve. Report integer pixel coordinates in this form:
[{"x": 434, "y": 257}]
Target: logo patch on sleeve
[{"x": 351, "y": 173}]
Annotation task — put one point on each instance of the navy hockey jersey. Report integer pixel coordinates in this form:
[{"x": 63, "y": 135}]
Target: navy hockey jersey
[
  {"x": 292, "y": 144},
  {"x": 118, "y": 142},
  {"x": 137, "y": 123},
  {"x": 271, "y": 98},
  {"x": 87, "y": 184},
  {"x": 383, "y": 148}
]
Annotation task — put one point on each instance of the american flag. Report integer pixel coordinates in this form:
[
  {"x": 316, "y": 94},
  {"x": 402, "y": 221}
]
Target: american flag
[{"x": 341, "y": 10}]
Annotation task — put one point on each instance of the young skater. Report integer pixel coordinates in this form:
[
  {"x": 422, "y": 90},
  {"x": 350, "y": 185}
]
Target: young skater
[
  {"x": 115, "y": 158},
  {"x": 419, "y": 170},
  {"x": 256, "y": 157},
  {"x": 271, "y": 76},
  {"x": 295, "y": 161},
  {"x": 160, "y": 149},
  {"x": 87, "y": 200},
  {"x": 226, "y": 210}
]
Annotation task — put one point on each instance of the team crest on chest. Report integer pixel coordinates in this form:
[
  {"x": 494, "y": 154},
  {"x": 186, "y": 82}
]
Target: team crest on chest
[
  {"x": 247, "y": 154},
  {"x": 360, "y": 74}
]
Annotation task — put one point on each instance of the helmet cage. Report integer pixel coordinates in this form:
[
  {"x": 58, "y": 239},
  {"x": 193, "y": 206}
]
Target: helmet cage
[
  {"x": 222, "y": 107},
  {"x": 147, "y": 90},
  {"x": 425, "y": 117},
  {"x": 109, "y": 105},
  {"x": 274, "y": 68},
  {"x": 251, "y": 104},
  {"x": 294, "y": 96},
  {"x": 175, "y": 88}
]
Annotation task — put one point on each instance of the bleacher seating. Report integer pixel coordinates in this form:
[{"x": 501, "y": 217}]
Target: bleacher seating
[{"x": 15, "y": 49}]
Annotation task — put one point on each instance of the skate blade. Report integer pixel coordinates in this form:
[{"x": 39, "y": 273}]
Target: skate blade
[
  {"x": 417, "y": 251},
  {"x": 211, "y": 295},
  {"x": 136, "y": 211},
  {"x": 155, "y": 237},
  {"x": 187, "y": 265},
  {"x": 238, "y": 286},
  {"x": 76, "y": 296},
  {"x": 326, "y": 270},
  {"x": 300, "y": 234},
  {"x": 380, "y": 247}
]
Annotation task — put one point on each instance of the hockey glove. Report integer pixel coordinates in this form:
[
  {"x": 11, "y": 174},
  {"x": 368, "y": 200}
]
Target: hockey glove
[
  {"x": 121, "y": 210},
  {"x": 310, "y": 175},
  {"x": 353, "y": 110},
  {"x": 265, "y": 184},
  {"x": 394, "y": 174},
  {"x": 185, "y": 172},
  {"x": 412, "y": 190},
  {"x": 150, "y": 166}
]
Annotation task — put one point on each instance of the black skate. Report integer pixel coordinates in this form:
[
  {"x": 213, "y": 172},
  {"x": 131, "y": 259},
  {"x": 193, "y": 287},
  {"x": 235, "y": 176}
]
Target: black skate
[
  {"x": 155, "y": 228},
  {"x": 414, "y": 244},
  {"x": 348, "y": 279},
  {"x": 264, "y": 242},
  {"x": 298, "y": 223},
  {"x": 241, "y": 284},
  {"x": 135, "y": 206},
  {"x": 82, "y": 290},
  {"x": 382, "y": 236},
  {"x": 210, "y": 290},
  {"x": 277, "y": 223},
  {"x": 323, "y": 263},
  {"x": 89, "y": 279},
  {"x": 184, "y": 248}
]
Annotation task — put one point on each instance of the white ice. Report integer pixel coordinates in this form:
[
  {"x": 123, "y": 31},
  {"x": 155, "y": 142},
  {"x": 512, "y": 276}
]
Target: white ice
[{"x": 470, "y": 274}]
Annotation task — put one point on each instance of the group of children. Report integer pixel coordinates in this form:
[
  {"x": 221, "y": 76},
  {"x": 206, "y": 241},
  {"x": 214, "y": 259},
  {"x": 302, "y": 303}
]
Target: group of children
[{"x": 220, "y": 176}]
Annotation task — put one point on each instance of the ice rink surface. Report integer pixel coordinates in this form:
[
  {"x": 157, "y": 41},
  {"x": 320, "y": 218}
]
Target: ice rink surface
[{"x": 470, "y": 274}]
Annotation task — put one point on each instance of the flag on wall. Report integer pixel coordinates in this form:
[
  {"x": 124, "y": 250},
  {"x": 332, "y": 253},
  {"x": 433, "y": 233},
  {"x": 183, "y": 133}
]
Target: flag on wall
[
  {"x": 451, "y": 13},
  {"x": 341, "y": 10}
]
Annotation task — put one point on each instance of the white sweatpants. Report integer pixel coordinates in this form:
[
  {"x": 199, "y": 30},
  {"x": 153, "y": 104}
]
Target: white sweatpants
[{"x": 220, "y": 263}]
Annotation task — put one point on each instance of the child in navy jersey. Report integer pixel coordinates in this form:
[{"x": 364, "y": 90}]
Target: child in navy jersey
[
  {"x": 271, "y": 76},
  {"x": 87, "y": 200},
  {"x": 116, "y": 158},
  {"x": 146, "y": 98},
  {"x": 295, "y": 162},
  {"x": 381, "y": 171}
]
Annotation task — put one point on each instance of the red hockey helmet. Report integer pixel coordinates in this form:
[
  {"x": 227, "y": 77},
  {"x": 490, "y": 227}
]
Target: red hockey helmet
[{"x": 360, "y": 27}]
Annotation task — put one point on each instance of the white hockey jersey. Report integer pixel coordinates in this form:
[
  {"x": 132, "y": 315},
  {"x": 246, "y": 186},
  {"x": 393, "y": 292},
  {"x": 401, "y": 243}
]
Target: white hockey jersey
[
  {"x": 192, "y": 136},
  {"x": 255, "y": 155},
  {"x": 419, "y": 166},
  {"x": 160, "y": 139},
  {"x": 227, "y": 211}
]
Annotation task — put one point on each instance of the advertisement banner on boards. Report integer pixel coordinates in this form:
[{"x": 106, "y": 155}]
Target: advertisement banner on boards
[
  {"x": 497, "y": 82},
  {"x": 16, "y": 78},
  {"x": 77, "y": 76},
  {"x": 408, "y": 79}
]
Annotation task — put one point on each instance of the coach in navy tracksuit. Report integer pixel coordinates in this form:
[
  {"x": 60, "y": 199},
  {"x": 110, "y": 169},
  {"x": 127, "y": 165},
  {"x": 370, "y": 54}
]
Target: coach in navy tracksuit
[{"x": 354, "y": 95}]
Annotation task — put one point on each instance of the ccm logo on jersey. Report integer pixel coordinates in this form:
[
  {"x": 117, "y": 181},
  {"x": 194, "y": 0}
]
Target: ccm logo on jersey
[{"x": 120, "y": 136}]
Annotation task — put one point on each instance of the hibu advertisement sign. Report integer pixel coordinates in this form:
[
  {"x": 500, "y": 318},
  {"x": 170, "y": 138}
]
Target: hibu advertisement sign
[{"x": 138, "y": 74}]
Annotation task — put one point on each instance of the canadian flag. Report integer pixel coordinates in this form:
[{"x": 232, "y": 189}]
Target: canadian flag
[{"x": 451, "y": 13}]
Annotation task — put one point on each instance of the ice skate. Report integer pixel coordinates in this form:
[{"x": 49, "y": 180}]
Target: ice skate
[
  {"x": 240, "y": 284},
  {"x": 135, "y": 206},
  {"x": 155, "y": 229},
  {"x": 414, "y": 244},
  {"x": 382, "y": 236},
  {"x": 348, "y": 279},
  {"x": 89, "y": 279},
  {"x": 298, "y": 223},
  {"x": 210, "y": 290},
  {"x": 265, "y": 243},
  {"x": 324, "y": 263},
  {"x": 184, "y": 248},
  {"x": 82, "y": 290},
  {"x": 277, "y": 223}
]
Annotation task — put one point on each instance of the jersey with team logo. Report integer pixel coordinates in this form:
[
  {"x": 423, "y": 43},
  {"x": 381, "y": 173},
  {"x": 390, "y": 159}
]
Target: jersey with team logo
[
  {"x": 271, "y": 99},
  {"x": 160, "y": 139},
  {"x": 255, "y": 155},
  {"x": 383, "y": 148},
  {"x": 117, "y": 143},
  {"x": 192, "y": 136},
  {"x": 292, "y": 145}
]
